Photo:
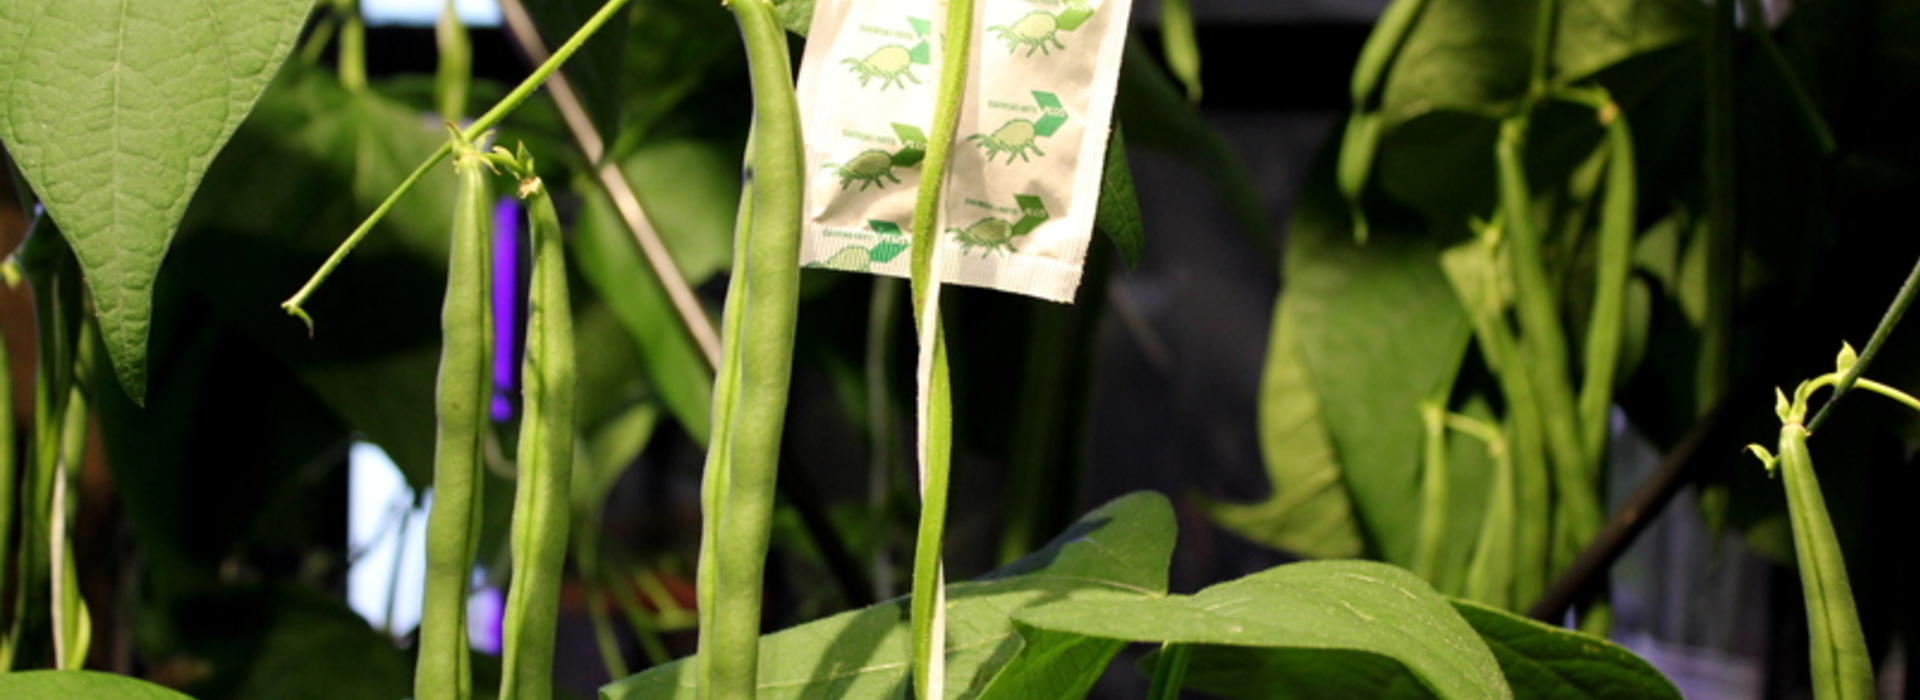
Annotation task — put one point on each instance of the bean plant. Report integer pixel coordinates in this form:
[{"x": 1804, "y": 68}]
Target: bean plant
[{"x": 1540, "y": 228}]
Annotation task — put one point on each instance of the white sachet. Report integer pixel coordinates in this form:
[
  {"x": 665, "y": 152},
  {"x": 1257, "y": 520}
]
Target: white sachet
[{"x": 1024, "y": 175}]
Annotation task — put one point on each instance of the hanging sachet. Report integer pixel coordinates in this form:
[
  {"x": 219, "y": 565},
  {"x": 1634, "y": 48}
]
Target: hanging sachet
[{"x": 1024, "y": 175}]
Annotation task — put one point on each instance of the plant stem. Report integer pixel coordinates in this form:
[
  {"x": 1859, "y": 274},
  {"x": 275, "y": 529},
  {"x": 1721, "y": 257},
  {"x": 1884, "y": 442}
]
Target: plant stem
[
  {"x": 1888, "y": 321},
  {"x": 936, "y": 401},
  {"x": 1542, "y": 50},
  {"x": 1432, "y": 536},
  {"x": 472, "y": 132},
  {"x": 1543, "y": 351},
  {"x": 353, "y": 45},
  {"x": 686, "y": 306},
  {"x": 1809, "y": 111},
  {"x": 1169, "y": 671},
  {"x": 455, "y": 71}
]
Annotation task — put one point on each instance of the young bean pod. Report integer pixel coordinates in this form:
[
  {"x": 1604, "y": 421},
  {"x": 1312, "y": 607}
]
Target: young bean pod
[
  {"x": 541, "y": 507},
  {"x": 1842, "y": 668},
  {"x": 462, "y": 395}
]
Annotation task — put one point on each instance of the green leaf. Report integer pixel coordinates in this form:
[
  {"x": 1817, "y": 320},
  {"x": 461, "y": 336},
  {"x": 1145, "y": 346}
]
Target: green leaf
[
  {"x": 1309, "y": 512},
  {"x": 1118, "y": 552},
  {"x": 1538, "y": 661},
  {"x": 1379, "y": 331},
  {"x": 797, "y": 15},
  {"x": 1118, "y": 212},
  {"x": 1476, "y": 55},
  {"x": 64, "y": 685},
  {"x": 1543, "y": 661},
  {"x": 1351, "y": 606},
  {"x": 113, "y": 109}
]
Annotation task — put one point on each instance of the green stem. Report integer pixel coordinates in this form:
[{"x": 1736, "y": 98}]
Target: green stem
[
  {"x": 1543, "y": 350},
  {"x": 1888, "y": 322},
  {"x": 1181, "y": 46},
  {"x": 1432, "y": 536},
  {"x": 645, "y": 625},
  {"x": 455, "y": 73},
  {"x": 1169, "y": 671},
  {"x": 353, "y": 45},
  {"x": 1542, "y": 49},
  {"x": 1489, "y": 577},
  {"x": 472, "y": 132},
  {"x": 1809, "y": 111},
  {"x": 936, "y": 399},
  {"x": 603, "y": 639}
]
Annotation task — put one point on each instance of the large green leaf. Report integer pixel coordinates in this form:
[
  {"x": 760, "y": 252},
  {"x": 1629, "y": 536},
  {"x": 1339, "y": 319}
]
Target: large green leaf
[
  {"x": 1539, "y": 661},
  {"x": 1543, "y": 661},
  {"x": 1116, "y": 553},
  {"x": 1351, "y": 606},
  {"x": 65, "y": 685},
  {"x": 1477, "y": 55},
  {"x": 1309, "y": 512},
  {"x": 113, "y": 109},
  {"x": 1379, "y": 332}
]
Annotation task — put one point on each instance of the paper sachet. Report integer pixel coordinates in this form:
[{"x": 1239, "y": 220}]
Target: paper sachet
[{"x": 1024, "y": 172}]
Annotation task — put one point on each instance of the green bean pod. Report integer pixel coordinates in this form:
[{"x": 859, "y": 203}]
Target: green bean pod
[
  {"x": 541, "y": 504},
  {"x": 1842, "y": 668},
  {"x": 462, "y": 395},
  {"x": 1604, "y": 326},
  {"x": 1542, "y": 352},
  {"x": 756, "y": 367}
]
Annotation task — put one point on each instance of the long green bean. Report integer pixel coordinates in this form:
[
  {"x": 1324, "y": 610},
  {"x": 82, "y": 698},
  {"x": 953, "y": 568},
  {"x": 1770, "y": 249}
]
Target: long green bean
[
  {"x": 1432, "y": 538},
  {"x": 756, "y": 367},
  {"x": 1543, "y": 351},
  {"x": 542, "y": 506},
  {"x": 1602, "y": 355},
  {"x": 462, "y": 395}
]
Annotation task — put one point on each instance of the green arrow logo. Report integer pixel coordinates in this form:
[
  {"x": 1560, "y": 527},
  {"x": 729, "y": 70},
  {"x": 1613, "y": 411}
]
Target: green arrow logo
[
  {"x": 1076, "y": 14},
  {"x": 913, "y": 145},
  {"x": 922, "y": 54},
  {"x": 1033, "y": 212},
  {"x": 1053, "y": 114},
  {"x": 893, "y": 243}
]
